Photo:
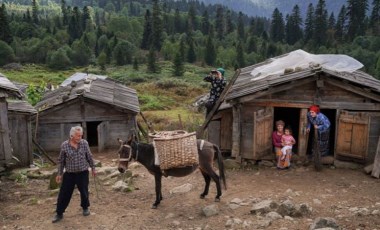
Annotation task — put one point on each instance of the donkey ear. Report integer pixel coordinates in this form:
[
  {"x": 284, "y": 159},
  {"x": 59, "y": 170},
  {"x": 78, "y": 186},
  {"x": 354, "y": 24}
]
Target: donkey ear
[{"x": 120, "y": 141}]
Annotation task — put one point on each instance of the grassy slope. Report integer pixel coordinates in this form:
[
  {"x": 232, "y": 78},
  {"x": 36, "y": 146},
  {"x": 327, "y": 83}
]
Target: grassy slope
[{"x": 164, "y": 99}]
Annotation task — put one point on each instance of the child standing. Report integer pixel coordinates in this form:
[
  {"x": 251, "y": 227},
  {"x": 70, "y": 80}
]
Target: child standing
[{"x": 287, "y": 142}]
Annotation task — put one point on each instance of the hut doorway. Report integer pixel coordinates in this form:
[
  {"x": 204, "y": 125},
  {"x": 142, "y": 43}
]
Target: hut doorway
[
  {"x": 291, "y": 117},
  {"x": 92, "y": 133}
]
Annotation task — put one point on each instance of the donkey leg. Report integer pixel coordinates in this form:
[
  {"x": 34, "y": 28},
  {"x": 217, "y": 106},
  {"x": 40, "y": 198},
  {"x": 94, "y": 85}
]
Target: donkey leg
[
  {"x": 216, "y": 178},
  {"x": 157, "y": 180},
  {"x": 207, "y": 184}
]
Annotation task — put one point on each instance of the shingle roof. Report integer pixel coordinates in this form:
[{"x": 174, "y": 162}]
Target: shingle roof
[
  {"x": 103, "y": 90},
  {"x": 7, "y": 85},
  {"x": 21, "y": 106}
]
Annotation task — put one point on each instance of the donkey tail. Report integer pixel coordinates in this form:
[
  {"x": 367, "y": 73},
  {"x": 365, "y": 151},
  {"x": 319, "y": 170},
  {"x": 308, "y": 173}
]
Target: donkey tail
[{"x": 221, "y": 166}]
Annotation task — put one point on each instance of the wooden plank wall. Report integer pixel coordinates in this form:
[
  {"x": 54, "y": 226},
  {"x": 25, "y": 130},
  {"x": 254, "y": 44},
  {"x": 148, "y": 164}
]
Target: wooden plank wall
[
  {"x": 5, "y": 144},
  {"x": 21, "y": 134},
  {"x": 374, "y": 134},
  {"x": 214, "y": 132},
  {"x": 226, "y": 130},
  {"x": 118, "y": 129}
]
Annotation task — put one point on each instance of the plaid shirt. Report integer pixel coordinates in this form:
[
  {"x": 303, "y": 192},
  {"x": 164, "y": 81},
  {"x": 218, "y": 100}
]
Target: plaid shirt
[{"x": 75, "y": 160}]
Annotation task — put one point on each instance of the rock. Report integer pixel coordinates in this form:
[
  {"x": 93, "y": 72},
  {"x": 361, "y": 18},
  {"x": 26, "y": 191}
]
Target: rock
[
  {"x": 266, "y": 163},
  {"x": 13, "y": 66},
  {"x": 317, "y": 201},
  {"x": 368, "y": 169},
  {"x": 2, "y": 169},
  {"x": 273, "y": 216},
  {"x": 263, "y": 207},
  {"x": 97, "y": 163},
  {"x": 176, "y": 223},
  {"x": 346, "y": 165},
  {"x": 233, "y": 206},
  {"x": 304, "y": 210},
  {"x": 263, "y": 223},
  {"x": 210, "y": 210},
  {"x": 236, "y": 201},
  {"x": 170, "y": 215},
  {"x": 375, "y": 212},
  {"x": 106, "y": 170},
  {"x": 247, "y": 224},
  {"x": 231, "y": 164},
  {"x": 290, "y": 192},
  {"x": 324, "y": 222},
  {"x": 182, "y": 189},
  {"x": 121, "y": 186},
  {"x": 286, "y": 208}
]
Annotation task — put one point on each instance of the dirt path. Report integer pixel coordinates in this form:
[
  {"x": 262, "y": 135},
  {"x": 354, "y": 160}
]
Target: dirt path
[{"x": 335, "y": 193}]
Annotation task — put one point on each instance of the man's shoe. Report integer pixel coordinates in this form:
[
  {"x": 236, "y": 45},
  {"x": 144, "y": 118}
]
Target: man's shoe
[
  {"x": 86, "y": 212},
  {"x": 57, "y": 218}
]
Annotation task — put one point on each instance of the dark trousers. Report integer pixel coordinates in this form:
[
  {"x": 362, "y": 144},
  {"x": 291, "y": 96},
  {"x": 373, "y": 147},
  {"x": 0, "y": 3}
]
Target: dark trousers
[{"x": 69, "y": 181}]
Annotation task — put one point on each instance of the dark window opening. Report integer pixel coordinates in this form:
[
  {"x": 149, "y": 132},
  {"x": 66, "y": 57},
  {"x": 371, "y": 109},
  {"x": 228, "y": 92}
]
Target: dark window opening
[
  {"x": 291, "y": 117},
  {"x": 92, "y": 132}
]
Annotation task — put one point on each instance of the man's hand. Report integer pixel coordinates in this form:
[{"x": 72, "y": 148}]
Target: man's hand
[
  {"x": 58, "y": 179},
  {"x": 93, "y": 172},
  {"x": 316, "y": 126},
  {"x": 307, "y": 130}
]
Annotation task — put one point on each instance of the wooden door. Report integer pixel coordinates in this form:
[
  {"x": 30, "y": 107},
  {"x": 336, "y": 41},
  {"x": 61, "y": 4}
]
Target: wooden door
[
  {"x": 262, "y": 134},
  {"x": 102, "y": 135},
  {"x": 5, "y": 142},
  {"x": 303, "y": 136},
  {"x": 352, "y": 134}
]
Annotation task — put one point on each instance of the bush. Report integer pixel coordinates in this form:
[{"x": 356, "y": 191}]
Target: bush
[
  {"x": 171, "y": 83},
  {"x": 59, "y": 60},
  {"x": 6, "y": 53}
]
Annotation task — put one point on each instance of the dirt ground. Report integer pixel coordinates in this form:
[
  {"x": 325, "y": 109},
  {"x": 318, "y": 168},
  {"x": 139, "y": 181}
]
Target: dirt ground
[{"x": 331, "y": 193}]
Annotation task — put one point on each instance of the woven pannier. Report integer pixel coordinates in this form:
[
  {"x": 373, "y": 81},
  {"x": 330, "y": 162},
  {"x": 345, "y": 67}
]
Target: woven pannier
[{"x": 176, "y": 149}]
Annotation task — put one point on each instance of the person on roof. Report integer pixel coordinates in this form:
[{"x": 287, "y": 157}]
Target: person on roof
[{"x": 216, "y": 78}]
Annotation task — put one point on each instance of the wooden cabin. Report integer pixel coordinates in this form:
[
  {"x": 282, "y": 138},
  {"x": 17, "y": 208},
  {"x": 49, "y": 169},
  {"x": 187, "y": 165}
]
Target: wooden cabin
[
  {"x": 15, "y": 126},
  {"x": 246, "y": 119},
  {"x": 104, "y": 108}
]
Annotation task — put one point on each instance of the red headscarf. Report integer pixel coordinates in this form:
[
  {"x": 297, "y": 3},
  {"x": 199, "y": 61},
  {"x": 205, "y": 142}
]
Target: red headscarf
[{"x": 314, "y": 108}]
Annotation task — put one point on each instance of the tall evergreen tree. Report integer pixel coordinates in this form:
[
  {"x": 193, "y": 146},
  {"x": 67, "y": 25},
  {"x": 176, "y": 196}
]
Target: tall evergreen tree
[
  {"x": 65, "y": 15},
  {"x": 240, "y": 55},
  {"x": 210, "y": 52},
  {"x": 152, "y": 65},
  {"x": 229, "y": 24},
  {"x": 35, "y": 12},
  {"x": 309, "y": 23},
  {"x": 5, "y": 32},
  {"x": 320, "y": 23},
  {"x": 331, "y": 22},
  {"x": 191, "y": 56},
  {"x": 156, "y": 26},
  {"x": 293, "y": 27},
  {"x": 251, "y": 44},
  {"x": 240, "y": 28},
  {"x": 340, "y": 27},
  {"x": 205, "y": 27},
  {"x": 28, "y": 17},
  {"x": 277, "y": 28},
  {"x": 375, "y": 18},
  {"x": 356, "y": 12},
  {"x": 219, "y": 23},
  {"x": 182, "y": 49},
  {"x": 191, "y": 18},
  {"x": 177, "y": 22},
  {"x": 75, "y": 25},
  {"x": 86, "y": 18},
  {"x": 178, "y": 67},
  {"x": 147, "y": 34}
]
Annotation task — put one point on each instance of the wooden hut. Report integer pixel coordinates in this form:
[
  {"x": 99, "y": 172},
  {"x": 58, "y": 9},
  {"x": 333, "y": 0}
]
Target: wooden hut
[
  {"x": 15, "y": 125},
  {"x": 104, "y": 108},
  {"x": 351, "y": 100}
]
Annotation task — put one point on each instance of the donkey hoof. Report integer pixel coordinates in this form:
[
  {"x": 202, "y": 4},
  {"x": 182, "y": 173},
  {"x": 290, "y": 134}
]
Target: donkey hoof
[
  {"x": 154, "y": 206},
  {"x": 217, "y": 199},
  {"x": 202, "y": 196}
]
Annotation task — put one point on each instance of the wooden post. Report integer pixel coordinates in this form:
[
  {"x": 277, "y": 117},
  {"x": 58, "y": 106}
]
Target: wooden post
[
  {"x": 376, "y": 163},
  {"x": 236, "y": 131},
  {"x": 5, "y": 142},
  {"x": 180, "y": 122}
]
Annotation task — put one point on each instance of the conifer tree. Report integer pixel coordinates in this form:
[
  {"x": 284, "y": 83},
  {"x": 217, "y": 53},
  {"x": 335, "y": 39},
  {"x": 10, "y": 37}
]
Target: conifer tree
[
  {"x": 277, "y": 28},
  {"x": 331, "y": 21},
  {"x": 75, "y": 28},
  {"x": 35, "y": 12},
  {"x": 178, "y": 67},
  {"x": 65, "y": 16},
  {"x": 320, "y": 23},
  {"x": 152, "y": 66},
  {"x": 229, "y": 25},
  {"x": 309, "y": 23},
  {"x": 374, "y": 22},
  {"x": 147, "y": 34},
  {"x": 86, "y": 18},
  {"x": 210, "y": 52},
  {"x": 191, "y": 56},
  {"x": 5, "y": 32},
  {"x": 135, "y": 64},
  {"x": 251, "y": 45},
  {"x": 356, "y": 12},
  {"x": 219, "y": 23},
  {"x": 205, "y": 27},
  {"x": 293, "y": 29},
  {"x": 28, "y": 17},
  {"x": 182, "y": 48},
  {"x": 240, "y": 55},
  {"x": 156, "y": 26},
  {"x": 240, "y": 28},
  {"x": 341, "y": 24},
  {"x": 191, "y": 18},
  {"x": 177, "y": 22}
]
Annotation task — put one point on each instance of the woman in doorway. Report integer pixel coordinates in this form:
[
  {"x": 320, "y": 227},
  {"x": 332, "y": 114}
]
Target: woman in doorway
[
  {"x": 322, "y": 124},
  {"x": 277, "y": 144}
]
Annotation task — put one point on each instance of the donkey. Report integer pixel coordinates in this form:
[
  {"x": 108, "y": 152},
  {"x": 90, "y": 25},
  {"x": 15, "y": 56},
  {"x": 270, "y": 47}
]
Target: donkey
[{"x": 144, "y": 153}]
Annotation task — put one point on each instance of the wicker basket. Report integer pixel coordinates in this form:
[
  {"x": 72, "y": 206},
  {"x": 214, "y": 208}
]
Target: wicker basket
[{"x": 176, "y": 148}]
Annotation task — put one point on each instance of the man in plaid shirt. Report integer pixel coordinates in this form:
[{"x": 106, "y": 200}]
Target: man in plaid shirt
[{"x": 75, "y": 158}]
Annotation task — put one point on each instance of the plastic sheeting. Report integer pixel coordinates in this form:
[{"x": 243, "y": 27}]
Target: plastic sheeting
[{"x": 304, "y": 60}]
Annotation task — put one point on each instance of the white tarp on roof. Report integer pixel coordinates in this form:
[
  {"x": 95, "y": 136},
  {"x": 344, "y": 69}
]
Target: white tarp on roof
[
  {"x": 81, "y": 76},
  {"x": 302, "y": 59}
]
